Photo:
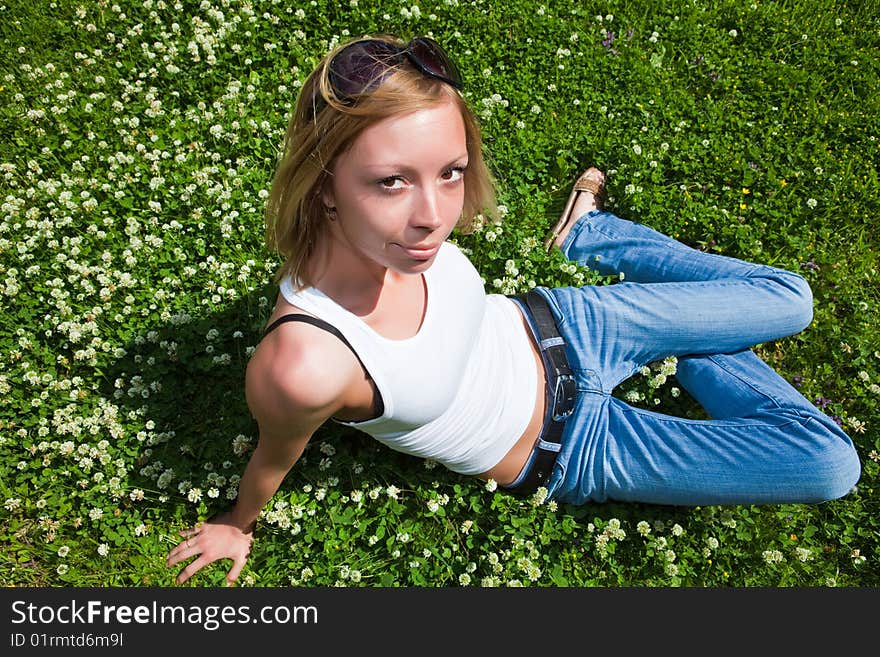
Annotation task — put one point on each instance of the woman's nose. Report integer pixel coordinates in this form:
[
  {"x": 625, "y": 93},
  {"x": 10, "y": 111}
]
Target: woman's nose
[{"x": 428, "y": 213}]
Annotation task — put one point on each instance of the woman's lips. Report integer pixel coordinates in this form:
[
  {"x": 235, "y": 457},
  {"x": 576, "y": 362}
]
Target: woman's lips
[{"x": 420, "y": 252}]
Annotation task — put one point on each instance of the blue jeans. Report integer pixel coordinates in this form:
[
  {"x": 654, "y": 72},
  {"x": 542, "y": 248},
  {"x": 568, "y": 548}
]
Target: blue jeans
[{"x": 765, "y": 442}]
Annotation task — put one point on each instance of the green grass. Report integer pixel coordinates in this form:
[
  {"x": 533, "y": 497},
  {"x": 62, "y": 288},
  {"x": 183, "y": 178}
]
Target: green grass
[{"x": 137, "y": 140}]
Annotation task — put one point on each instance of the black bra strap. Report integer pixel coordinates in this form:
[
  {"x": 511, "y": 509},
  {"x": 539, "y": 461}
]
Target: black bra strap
[{"x": 378, "y": 404}]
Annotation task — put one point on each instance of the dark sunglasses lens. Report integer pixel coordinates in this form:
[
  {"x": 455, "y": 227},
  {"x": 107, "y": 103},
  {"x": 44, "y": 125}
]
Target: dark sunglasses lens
[
  {"x": 435, "y": 61},
  {"x": 361, "y": 66}
]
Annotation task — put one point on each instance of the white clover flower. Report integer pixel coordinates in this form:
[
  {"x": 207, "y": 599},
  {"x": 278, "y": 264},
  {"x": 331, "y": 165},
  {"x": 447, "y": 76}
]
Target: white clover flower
[
  {"x": 613, "y": 530},
  {"x": 643, "y": 528},
  {"x": 491, "y": 485},
  {"x": 803, "y": 554},
  {"x": 63, "y": 551},
  {"x": 194, "y": 494},
  {"x": 812, "y": 203},
  {"x": 772, "y": 556},
  {"x": 733, "y": 33},
  {"x": 856, "y": 425},
  {"x": 240, "y": 444},
  {"x": 633, "y": 397},
  {"x": 539, "y": 496},
  {"x": 677, "y": 530},
  {"x": 103, "y": 549}
]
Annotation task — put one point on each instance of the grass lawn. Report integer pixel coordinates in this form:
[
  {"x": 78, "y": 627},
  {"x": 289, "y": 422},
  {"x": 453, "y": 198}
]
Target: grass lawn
[{"x": 137, "y": 144}]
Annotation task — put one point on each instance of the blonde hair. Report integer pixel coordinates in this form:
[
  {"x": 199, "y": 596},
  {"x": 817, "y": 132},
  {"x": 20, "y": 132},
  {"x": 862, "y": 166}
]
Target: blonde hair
[{"x": 323, "y": 128}]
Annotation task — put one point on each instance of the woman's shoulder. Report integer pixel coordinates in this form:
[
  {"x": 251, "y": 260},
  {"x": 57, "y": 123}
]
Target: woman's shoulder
[
  {"x": 301, "y": 366},
  {"x": 452, "y": 259}
]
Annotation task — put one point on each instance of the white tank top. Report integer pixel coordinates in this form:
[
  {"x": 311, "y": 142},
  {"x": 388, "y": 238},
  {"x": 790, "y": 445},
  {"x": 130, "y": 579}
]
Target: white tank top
[{"x": 460, "y": 391}]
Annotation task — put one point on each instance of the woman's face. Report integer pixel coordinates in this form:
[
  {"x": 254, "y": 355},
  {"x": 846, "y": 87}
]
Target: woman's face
[{"x": 399, "y": 190}]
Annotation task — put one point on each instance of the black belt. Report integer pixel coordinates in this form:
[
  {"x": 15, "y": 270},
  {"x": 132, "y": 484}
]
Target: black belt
[{"x": 561, "y": 392}]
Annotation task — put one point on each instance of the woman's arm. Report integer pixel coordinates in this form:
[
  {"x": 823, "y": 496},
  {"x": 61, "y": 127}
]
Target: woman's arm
[{"x": 291, "y": 390}]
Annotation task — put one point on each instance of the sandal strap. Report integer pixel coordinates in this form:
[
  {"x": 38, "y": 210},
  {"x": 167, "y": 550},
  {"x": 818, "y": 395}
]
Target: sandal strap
[{"x": 588, "y": 185}]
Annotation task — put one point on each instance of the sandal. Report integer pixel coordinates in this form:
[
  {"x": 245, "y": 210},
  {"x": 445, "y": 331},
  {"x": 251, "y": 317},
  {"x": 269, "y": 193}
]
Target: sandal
[{"x": 592, "y": 180}]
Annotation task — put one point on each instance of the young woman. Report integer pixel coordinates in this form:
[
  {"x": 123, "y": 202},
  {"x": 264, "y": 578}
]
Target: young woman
[{"x": 383, "y": 325}]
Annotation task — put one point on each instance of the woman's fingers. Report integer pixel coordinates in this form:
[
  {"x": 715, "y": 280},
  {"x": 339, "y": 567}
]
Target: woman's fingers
[
  {"x": 214, "y": 543},
  {"x": 193, "y": 531},
  {"x": 186, "y": 550},
  {"x": 183, "y": 551},
  {"x": 234, "y": 572},
  {"x": 192, "y": 569},
  {"x": 197, "y": 544}
]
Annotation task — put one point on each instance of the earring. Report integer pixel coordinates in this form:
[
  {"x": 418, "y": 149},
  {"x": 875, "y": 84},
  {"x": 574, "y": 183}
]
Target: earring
[{"x": 331, "y": 213}]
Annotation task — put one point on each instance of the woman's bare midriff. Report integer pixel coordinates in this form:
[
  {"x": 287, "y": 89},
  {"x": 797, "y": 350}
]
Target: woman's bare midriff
[{"x": 510, "y": 466}]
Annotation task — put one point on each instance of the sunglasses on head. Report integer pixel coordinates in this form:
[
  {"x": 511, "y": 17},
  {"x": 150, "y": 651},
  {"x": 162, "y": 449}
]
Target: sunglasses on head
[{"x": 362, "y": 65}]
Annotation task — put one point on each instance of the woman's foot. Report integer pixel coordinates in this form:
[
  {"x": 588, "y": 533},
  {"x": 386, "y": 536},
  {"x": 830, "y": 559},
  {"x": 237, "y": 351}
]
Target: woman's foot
[{"x": 588, "y": 193}]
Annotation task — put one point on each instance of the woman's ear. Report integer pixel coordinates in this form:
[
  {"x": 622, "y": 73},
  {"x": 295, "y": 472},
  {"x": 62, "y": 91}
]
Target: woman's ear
[{"x": 328, "y": 198}]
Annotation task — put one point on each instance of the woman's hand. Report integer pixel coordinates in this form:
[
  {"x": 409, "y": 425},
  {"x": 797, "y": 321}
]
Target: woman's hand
[{"x": 216, "y": 539}]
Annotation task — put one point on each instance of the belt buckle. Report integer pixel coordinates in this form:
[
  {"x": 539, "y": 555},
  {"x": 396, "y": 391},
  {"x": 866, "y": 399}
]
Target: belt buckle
[{"x": 564, "y": 393}]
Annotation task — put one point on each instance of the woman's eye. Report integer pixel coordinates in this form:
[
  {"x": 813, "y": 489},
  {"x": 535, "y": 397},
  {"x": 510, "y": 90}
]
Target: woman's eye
[
  {"x": 453, "y": 174},
  {"x": 391, "y": 182}
]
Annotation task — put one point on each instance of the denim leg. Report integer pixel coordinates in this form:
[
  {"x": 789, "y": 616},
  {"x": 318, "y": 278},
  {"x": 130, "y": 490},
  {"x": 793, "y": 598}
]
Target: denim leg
[
  {"x": 673, "y": 300},
  {"x": 611, "y": 245},
  {"x": 765, "y": 444}
]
